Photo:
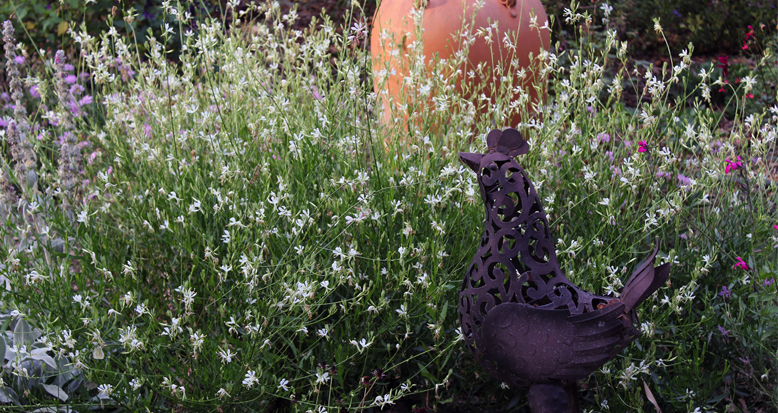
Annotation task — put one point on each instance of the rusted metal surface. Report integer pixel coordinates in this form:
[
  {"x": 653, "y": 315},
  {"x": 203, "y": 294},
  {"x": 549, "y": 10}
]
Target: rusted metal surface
[{"x": 523, "y": 320}]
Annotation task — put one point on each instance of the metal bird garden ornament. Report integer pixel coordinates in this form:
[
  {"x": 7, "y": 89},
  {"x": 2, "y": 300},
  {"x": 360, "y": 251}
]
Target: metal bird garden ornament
[{"x": 523, "y": 320}]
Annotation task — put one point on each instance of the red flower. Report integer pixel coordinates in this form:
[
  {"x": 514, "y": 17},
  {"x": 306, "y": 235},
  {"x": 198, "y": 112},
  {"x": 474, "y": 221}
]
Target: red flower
[
  {"x": 721, "y": 89},
  {"x": 724, "y": 64}
]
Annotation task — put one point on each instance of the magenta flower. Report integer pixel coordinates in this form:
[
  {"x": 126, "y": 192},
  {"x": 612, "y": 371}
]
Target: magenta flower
[
  {"x": 733, "y": 165},
  {"x": 741, "y": 264},
  {"x": 775, "y": 226},
  {"x": 643, "y": 146}
]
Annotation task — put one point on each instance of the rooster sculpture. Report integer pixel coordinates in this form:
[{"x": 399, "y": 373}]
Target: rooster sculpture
[{"x": 524, "y": 321}]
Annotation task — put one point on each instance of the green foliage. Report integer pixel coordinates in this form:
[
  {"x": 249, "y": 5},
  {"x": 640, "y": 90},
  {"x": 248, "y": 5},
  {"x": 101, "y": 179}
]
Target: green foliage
[
  {"x": 716, "y": 26},
  {"x": 246, "y": 235},
  {"x": 46, "y": 24},
  {"x": 42, "y": 374}
]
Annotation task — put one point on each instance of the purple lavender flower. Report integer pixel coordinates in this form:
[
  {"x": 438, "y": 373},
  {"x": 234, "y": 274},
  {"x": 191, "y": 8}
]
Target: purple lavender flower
[
  {"x": 68, "y": 67},
  {"x": 725, "y": 292},
  {"x": 723, "y": 331},
  {"x": 684, "y": 182},
  {"x": 35, "y": 92},
  {"x": 19, "y": 60},
  {"x": 76, "y": 89},
  {"x": 603, "y": 137},
  {"x": 75, "y": 109},
  {"x": 71, "y": 79},
  {"x": 87, "y": 99},
  {"x": 769, "y": 281}
]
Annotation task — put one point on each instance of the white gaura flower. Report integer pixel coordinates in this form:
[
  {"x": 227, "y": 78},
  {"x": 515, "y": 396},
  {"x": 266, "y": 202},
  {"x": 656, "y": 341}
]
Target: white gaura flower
[
  {"x": 383, "y": 400},
  {"x": 402, "y": 311},
  {"x": 322, "y": 377},
  {"x": 283, "y": 384},
  {"x": 226, "y": 355},
  {"x": 251, "y": 379}
]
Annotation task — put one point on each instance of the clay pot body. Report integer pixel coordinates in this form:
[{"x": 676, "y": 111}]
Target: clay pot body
[{"x": 442, "y": 20}]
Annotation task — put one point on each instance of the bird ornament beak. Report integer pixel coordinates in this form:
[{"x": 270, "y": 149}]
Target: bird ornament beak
[{"x": 508, "y": 142}]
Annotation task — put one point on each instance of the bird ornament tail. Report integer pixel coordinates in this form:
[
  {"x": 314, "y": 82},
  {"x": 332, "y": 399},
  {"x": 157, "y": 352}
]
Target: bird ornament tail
[{"x": 645, "y": 280}]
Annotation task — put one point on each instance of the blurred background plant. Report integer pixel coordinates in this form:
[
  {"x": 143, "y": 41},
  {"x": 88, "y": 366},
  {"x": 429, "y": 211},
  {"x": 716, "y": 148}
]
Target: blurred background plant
[
  {"x": 234, "y": 230},
  {"x": 54, "y": 25}
]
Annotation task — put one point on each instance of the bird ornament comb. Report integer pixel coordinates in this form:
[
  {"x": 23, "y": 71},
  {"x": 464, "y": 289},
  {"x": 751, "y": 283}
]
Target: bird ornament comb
[{"x": 522, "y": 319}]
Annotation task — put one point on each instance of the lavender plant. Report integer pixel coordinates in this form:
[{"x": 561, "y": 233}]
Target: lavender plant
[{"x": 246, "y": 235}]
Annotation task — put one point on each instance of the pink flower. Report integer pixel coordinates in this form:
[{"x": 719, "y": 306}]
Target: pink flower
[
  {"x": 733, "y": 165},
  {"x": 741, "y": 264},
  {"x": 775, "y": 226},
  {"x": 643, "y": 146}
]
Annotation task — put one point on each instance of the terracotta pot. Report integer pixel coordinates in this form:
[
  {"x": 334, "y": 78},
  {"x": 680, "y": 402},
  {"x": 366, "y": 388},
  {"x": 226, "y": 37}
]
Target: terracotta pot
[{"x": 442, "y": 20}]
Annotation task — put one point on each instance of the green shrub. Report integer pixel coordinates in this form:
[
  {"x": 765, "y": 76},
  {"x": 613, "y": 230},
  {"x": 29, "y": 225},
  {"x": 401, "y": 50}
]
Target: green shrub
[
  {"x": 47, "y": 25},
  {"x": 238, "y": 232},
  {"x": 717, "y": 26}
]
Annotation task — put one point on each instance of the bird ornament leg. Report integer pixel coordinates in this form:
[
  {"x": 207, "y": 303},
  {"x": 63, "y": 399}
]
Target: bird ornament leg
[{"x": 553, "y": 398}]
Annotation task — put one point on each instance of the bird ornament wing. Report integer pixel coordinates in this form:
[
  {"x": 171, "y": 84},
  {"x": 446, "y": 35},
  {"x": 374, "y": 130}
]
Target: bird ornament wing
[{"x": 644, "y": 281}]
